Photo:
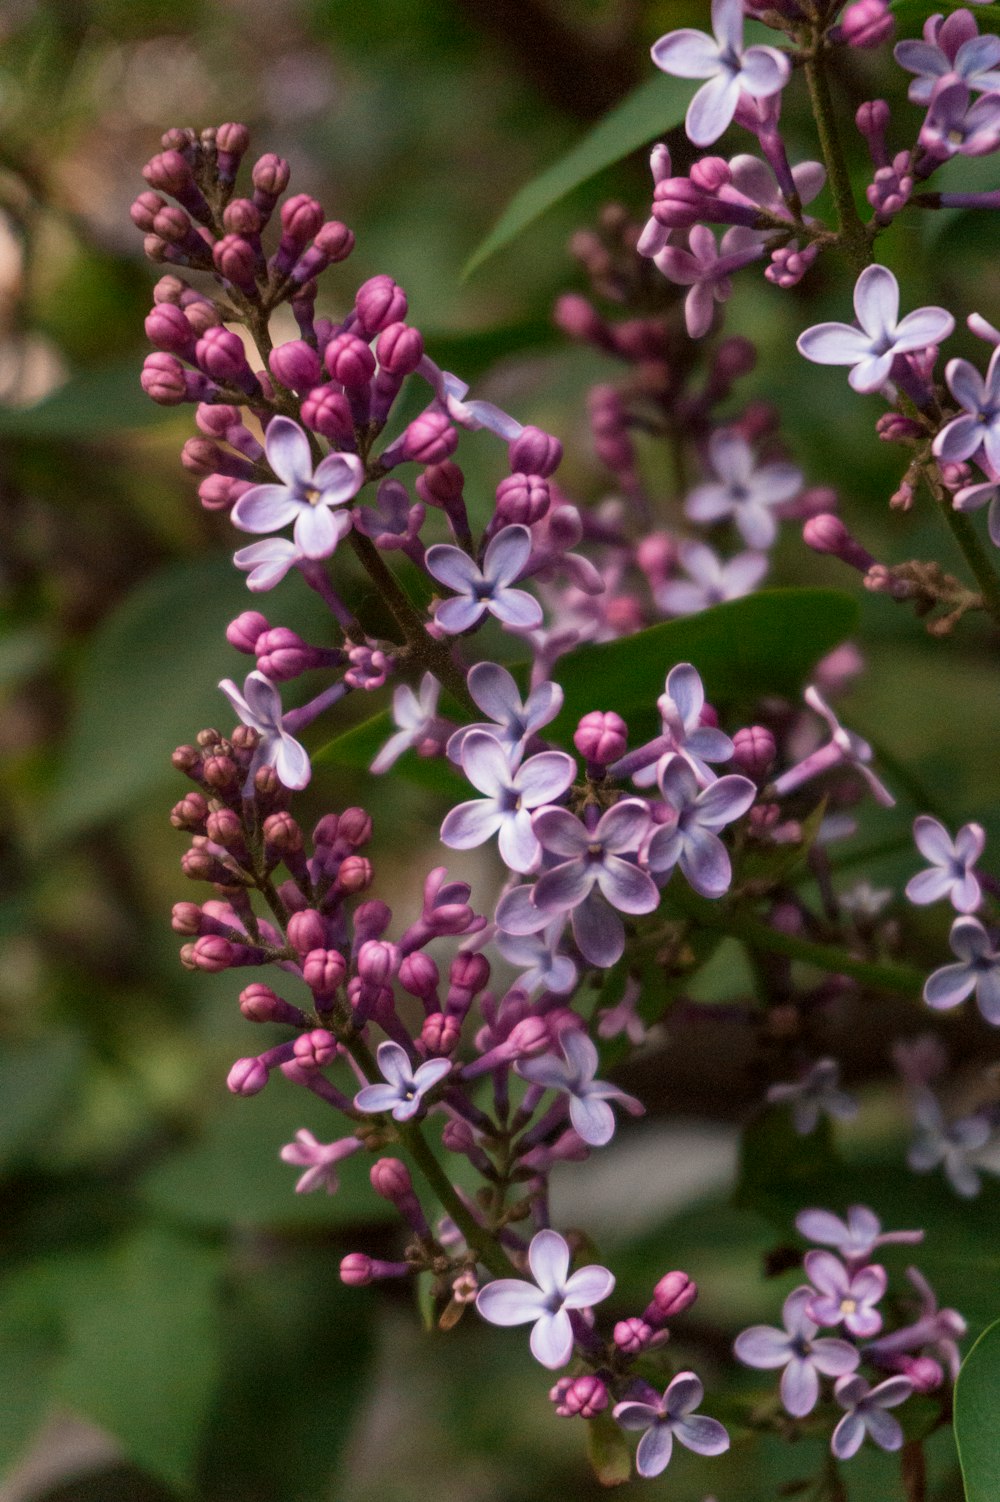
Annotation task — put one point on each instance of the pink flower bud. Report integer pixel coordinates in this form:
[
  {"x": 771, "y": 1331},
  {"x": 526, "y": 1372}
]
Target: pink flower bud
[
  {"x": 282, "y": 833},
  {"x": 296, "y": 365},
  {"x": 270, "y": 175},
  {"x": 711, "y": 173},
  {"x": 236, "y": 260},
  {"x": 316, "y": 1049},
  {"x": 755, "y": 752},
  {"x": 580, "y": 1397},
  {"x": 578, "y": 320},
  {"x": 334, "y": 241},
  {"x": 429, "y": 439},
  {"x": 213, "y": 953},
  {"x": 534, "y": 452},
  {"x": 867, "y": 23},
  {"x": 826, "y": 533},
  {"x": 522, "y": 498},
  {"x": 259, "y": 1003},
  {"x": 356, "y": 1270},
  {"x": 924, "y": 1372},
  {"x": 328, "y": 412},
  {"x": 185, "y": 918},
  {"x": 190, "y": 812},
  {"x": 247, "y": 1077},
  {"x": 224, "y": 827},
  {"x": 145, "y": 209},
  {"x": 378, "y": 303},
  {"x": 349, "y": 361},
  {"x": 306, "y": 930},
  {"x": 355, "y": 874},
  {"x": 301, "y": 217},
  {"x": 674, "y": 1293},
  {"x": 390, "y": 1178},
  {"x": 441, "y": 484},
  {"x": 220, "y": 354},
  {"x": 244, "y": 631},
  {"x": 632, "y": 1335},
  {"x": 323, "y": 971},
  {"x": 354, "y": 827},
  {"x": 440, "y": 1034},
  {"x": 419, "y": 974},
  {"x": 378, "y": 962},
  {"x": 169, "y": 330},
  {"x": 162, "y": 379},
  {"x": 601, "y": 736},
  {"x": 469, "y": 971},
  {"x": 400, "y": 348},
  {"x": 169, "y": 172},
  {"x": 220, "y": 492},
  {"x": 528, "y": 1038}
]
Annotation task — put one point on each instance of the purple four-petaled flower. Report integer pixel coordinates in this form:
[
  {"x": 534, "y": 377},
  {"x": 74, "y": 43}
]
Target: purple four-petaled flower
[
  {"x": 510, "y": 797},
  {"x": 978, "y": 970},
  {"x": 730, "y": 69},
  {"x": 512, "y": 722},
  {"x": 405, "y": 1087},
  {"x": 710, "y": 581},
  {"x": 672, "y": 1416},
  {"x": 414, "y": 715},
  {"x": 866, "y": 1414},
  {"x": 952, "y": 860},
  {"x": 871, "y": 349},
  {"x": 691, "y": 840},
  {"x": 592, "y": 1117},
  {"x": 259, "y": 706},
  {"x": 309, "y": 497},
  {"x": 845, "y": 1295},
  {"x": 796, "y": 1348},
  {"x": 478, "y": 590},
  {"x": 743, "y": 490},
  {"x": 546, "y": 1302},
  {"x": 979, "y": 428},
  {"x": 856, "y": 1237}
]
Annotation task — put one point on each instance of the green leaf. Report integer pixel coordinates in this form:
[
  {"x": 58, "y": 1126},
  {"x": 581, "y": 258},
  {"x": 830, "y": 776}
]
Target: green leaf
[
  {"x": 35, "y": 1081},
  {"x": 608, "y": 1451},
  {"x": 147, "y": 683},
  {"x": 652, "y": 109},
  {"x": 29, "y": 1348},
  {"x": 911, "y": 14},
  {"x": 92, "y": 404},
  {"x": 977, "y": 1403},
  {"x": 234, "y": 1176},
  {"x": 778, "y": 1166},
  {"x": 143, "y": 1348},
  {"x": 763, "y": 644}
]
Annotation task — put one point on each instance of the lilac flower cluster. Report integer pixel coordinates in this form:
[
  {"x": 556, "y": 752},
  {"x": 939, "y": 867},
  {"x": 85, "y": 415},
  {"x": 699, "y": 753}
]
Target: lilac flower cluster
[{"x": 845, "y": 1292}]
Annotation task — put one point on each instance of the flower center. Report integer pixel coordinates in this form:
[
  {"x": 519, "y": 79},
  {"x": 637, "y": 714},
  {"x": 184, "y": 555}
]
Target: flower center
[
  {"x": 313, "y": 494},
  {"x": 848, "y": 1306}
]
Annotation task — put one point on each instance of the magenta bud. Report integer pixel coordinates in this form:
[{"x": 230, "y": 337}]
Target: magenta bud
[
  {"x": 162, "y": 379},
  {"x": 755, "y": 752},
  {"x": 259, "y": 1003},
  {"x": 185, "y": 918},
  {"x": 378, "y": 303},
  {"x": 440, "y": 1034},
  {"x": 601, "y": 736},
  {"x": 328, "y": 412},
  {"x": 429, "y": 439},
  {"x": 282, "y": 654},
  {"x": 674, "y": 1293},
  {"x": 580, "y": 1397},
  {"x": 355, "y": 874},
  {"x": 169, "y": 172},
  {"x": 441, "y": 485},
  {"x": 371, "y": 919},
  {"x": 826, "y": 533},
  {"x": 349, "y": 361},
  {"x": 242, "y": 217},
  {"x": 334, "y": 241},
  {"x": 220, "y": 354},
  {"x": 323, "y": 970},
  {"x": 576, "y": 318},
  {"x": 220, "y": 492},
  {"x": 711, "y": 173},
  {"x": 316, "y": 1049},
  {"x": 356, "y": 1270},
  {"x": 528, "y": 1038},
  {"x": 301, "y": 217},
  {"x": 201, "y": 456},
  {"x": 270, "y": 174},
  {"x": 231, "y": 142},
  {"x": 400, "y": 349},
  {"x": 145, "y": 209},
  {"x": 391, "y": 1179},
  {"x": 325, "y": 832},
  {"x": 535, "y": 452},
  {"x": 169, "y": 330},
  {"x": 244, "y": 631},
  {"x": 306, "y": 930},
  {"x": 190, "y": 812},
  {"x": 247, "y": 1077},
  {"x": 296, "y": 365},
  {"x": 633, "y": 1335},
  {"x": 225, "y": 828},
  {"x": 522, "y": 498},
  {"x": 355, "y": 827},
  {"x": 213, "y": 953},
  {"x": 924, "y": 1372},
  {"x": 282, "y": 833},
  {"x": 235, "y": 259},
  {"x": 378, "y": 961},
  {"x": 419, "y": 974},
  {"x": 872, "y": 118},
  {"x": 867, "y": 23},
  {"x": 469, "y": 971}
]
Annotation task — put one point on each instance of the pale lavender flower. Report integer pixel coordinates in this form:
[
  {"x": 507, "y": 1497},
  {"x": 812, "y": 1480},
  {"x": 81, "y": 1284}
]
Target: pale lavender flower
[
  {"x": 514, "y": 1301},
  {"x": 796, "y": 1348},
  {"x": 949, "y": 1145},
  {"x": 976, "y": 63},
  {"x": 405, "y": 1088},
  {"x": 319, "y": 1159},
  {"x": 951, "y": 873},
  {"x": 843, "y": 1294},
  {"x": 510, "y": 797},
  {"x": 623, "y": 1018},
  {"x": 451, "y": 392},
  {"x": 680, "y": 706},
  {"x": 935, "y": 1328},
  {"x": 594, "y": 882},
  {"x": 266, "y": 563},
  {"x": 843, "y": 748},
  {"x": 711, "y": 580},
  {"x": 489, "y": 588},
  {"x": 755, "y": 179},
  {"x": 672, "y": 1416},
  {"x": 882, "y": 336},
  {"x": 589, "y": 1112},
  {"x": 856, "y": 1237},
  {"x": 705, "y": 268},
  {"x": 512, "y": 723},
  {"x": 415, "y": 716},
  {"x": 539, "y": 954},
  {"x": 742, "y": 490},
  {"x": 963, "y": 437},
  {"x": 259, "y": 706},
  {"x": 978, "y": 970},
  {"x": 816, "y": 1094},
  {"x": 654, "y": 234},
  {"x": 731, "y": 69},
  {"x": 307, "y": 497},
  {"x": 691, "y": 840},
  {"x": 985, "y": 493},
  {"x": 866, "y": 1414},
  {"x": 953, "y": 127}
]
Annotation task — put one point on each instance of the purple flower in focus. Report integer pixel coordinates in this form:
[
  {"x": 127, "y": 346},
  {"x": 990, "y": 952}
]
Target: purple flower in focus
[
  {"x": 976, "y": 63},
  {"x": 259, "y": 706},
  {"x": 319, "y": 1159},
  {"x": 741, "y": 490},
  {"x": 489, "y": 588},
  {"x": 949, "y": 1146},
  {"x": 856, "y": 1237},
  {"x": 510, "y": 797},
  {"x": 845, "y": 1295},
  {"x": 306, "y": 497},
  {"x": 512, "y": 723},
  {"x": 673, "y": 1415},
  {"x": 415, "y": 715},
  {"x": 963, "y": 437},
  {"x": 680, "y": 706},
  {"x": 405, "y": 1088},
  {"x": 972, "y": 497},
  {"x": 589, "y": 1112},
  {"x": 978, "y": 970},
  {"x": 594, "y": 882},
  {"x": 711, "y": 580},
  {"x": 882, "y": 336},
  {"x": 951, "y": 860},
  {"x": 691, "y": 841},
  {"x": 796, "y": 1348},
  {"x": 816, "y": 1094},
  {"x": 514, "y": 1301},
  {"x": 266, "y": 563},
  {"x": 866, "y": 1414},
  {"x": 953, "y": 127},
  {"x": 704, "y": 267},
  {"x": 731, "y": 70}
]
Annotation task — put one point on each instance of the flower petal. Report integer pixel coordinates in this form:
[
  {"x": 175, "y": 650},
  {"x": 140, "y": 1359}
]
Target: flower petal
[{"x": 510, "y": 1301}]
